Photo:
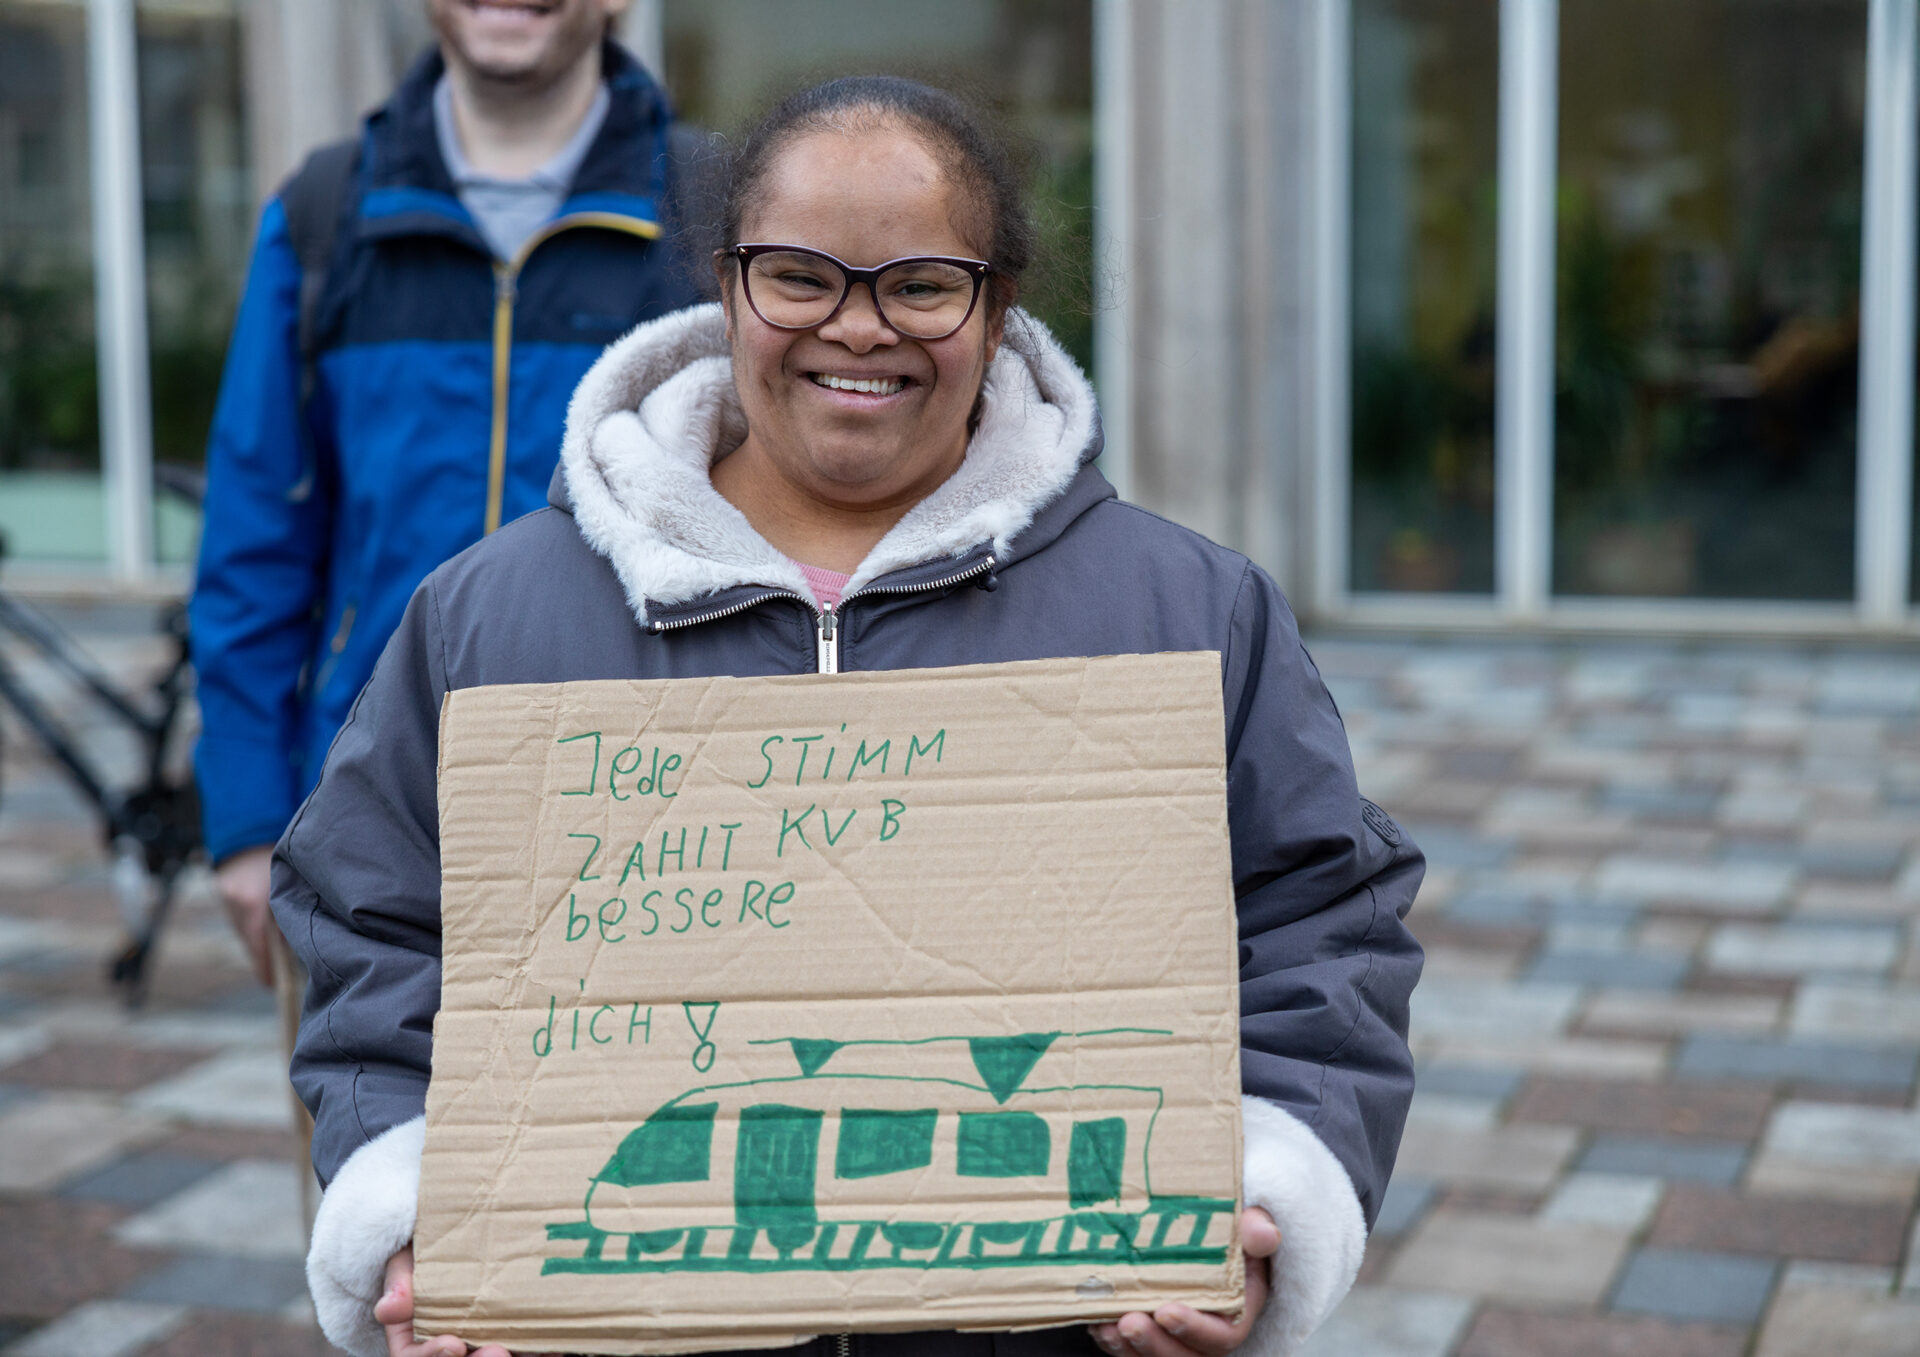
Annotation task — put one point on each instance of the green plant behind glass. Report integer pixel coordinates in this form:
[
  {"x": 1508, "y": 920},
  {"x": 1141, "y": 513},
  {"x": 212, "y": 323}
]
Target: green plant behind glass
[{"x": 49, "y": 391}]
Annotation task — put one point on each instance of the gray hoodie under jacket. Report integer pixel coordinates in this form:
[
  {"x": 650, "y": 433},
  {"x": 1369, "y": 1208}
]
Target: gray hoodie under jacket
[{"x": 641, "y": 570}]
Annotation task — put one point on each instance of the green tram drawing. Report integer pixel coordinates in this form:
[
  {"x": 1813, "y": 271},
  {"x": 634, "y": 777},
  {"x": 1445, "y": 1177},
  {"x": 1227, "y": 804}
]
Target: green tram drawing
[{"x": 816, "y": 1156}]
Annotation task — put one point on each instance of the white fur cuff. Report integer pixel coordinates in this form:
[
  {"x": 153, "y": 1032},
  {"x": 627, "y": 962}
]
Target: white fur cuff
[
  {"x": 1323, "y": 1234},
  {"x": 365, "y": 1218}
]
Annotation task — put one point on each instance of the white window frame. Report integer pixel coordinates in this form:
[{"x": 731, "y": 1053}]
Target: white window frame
[
  {"x": 1883, "y": 534},
  {"x": 120, "y": 290},
  {"x": 1113, "y": 319},
  {"x": 1330, "y": 483},
  {"x": 1524, "y": 366}
]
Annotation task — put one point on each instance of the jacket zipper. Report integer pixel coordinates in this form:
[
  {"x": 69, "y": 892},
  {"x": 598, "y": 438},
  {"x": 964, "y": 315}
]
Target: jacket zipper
[
  {"x": 680, "y": 622},
  {"x": 826, "y": 631},
  {"x": 827, "y": 661},
  {"x": 826, "y": 651},
  {"x": 983, "y": 567},
  {"x": 506, "y": 280}
]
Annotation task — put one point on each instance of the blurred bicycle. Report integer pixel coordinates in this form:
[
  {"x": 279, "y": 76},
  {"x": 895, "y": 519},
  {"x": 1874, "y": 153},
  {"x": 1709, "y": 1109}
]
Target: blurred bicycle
[{"x": 152, "y": 827}]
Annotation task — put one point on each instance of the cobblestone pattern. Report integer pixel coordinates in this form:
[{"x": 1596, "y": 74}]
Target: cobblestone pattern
[
  {"x": 1670, "y": 1026},
  {"x": 1668, "y": 1035},
  {"x": 149, "y": 1196}
]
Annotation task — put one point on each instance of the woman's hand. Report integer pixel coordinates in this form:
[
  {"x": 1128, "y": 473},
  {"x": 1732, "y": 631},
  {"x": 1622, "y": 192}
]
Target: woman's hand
[
  {"x": 1181, "y": 1330},
  {"x": 394, "y": 1312}
]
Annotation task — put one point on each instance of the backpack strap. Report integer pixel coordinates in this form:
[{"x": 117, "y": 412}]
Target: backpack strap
[{"x": 314, "y": 201}]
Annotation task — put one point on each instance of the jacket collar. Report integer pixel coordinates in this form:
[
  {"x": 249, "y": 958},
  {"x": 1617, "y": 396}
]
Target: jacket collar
[
  {"x": 651, "y": 416},
  {"x": 407, "y": 190}
]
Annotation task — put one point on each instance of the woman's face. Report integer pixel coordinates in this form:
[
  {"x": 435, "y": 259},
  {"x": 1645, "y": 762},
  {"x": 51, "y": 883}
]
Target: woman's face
[{"x": 865, "y": 197}]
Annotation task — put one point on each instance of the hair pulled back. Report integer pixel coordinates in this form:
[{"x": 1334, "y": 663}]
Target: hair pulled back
[{"x": 975, "y": 157}]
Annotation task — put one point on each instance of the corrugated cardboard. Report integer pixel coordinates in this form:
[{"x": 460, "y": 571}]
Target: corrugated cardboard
[{"x": 876, "y": 1001}]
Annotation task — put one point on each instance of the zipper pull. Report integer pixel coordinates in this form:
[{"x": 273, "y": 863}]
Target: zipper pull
[{"x": 829, "y": 647}]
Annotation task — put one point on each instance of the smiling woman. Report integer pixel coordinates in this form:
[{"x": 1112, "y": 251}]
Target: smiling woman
[
  {"x": 866, "y": 457},
  {"x": 850, "y": 421}
]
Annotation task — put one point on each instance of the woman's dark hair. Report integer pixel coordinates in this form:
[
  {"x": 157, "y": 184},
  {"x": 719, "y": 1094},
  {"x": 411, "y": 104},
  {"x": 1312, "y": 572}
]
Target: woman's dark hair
[{"x": 974, "y": 154}]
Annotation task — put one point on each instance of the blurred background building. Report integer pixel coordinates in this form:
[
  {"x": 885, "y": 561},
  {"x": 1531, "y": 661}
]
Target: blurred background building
[{"x": 1589, "y": 313}]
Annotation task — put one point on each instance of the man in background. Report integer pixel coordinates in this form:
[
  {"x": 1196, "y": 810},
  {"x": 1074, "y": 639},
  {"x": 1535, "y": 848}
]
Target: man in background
[{"x": 420, "y": 304}]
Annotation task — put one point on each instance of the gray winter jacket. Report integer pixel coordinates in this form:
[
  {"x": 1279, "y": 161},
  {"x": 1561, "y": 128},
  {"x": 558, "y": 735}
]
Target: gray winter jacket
[{"x": 641, "y": 570}]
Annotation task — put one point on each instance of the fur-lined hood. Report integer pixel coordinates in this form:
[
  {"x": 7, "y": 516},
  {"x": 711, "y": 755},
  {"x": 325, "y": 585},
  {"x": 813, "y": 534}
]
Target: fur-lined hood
[{"x": 659, "y": 407}]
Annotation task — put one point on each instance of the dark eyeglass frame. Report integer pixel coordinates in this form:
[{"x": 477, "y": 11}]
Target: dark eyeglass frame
[{"x": 745, "y": 253}]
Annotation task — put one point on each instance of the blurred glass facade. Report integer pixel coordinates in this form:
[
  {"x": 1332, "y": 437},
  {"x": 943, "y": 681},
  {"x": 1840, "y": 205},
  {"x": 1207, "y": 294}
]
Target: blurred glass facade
[
  {"x": 196, "y": 210},
  {"x": 1707, "y": 201},
  {"x": 1032, "y": 59},
  {"x": 199, "y": 228},
  {"x": 1706, "y": 422},
  {"x": 1425, "y": 173},
  {"x": 49, "y": 398},
  {"x": 1711, "y": 444},
  {"x": 1913, "y": 503}
]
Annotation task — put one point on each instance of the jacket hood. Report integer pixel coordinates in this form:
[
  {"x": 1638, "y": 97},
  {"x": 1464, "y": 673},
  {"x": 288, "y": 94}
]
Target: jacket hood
[{"x": 659, "y": 408}]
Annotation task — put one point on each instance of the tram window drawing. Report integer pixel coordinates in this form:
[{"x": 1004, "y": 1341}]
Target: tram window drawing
[
  {"x": 788, "y": 1005},
  {"x": 875, "y": 1142},
  {"x": 672, "y": 1147},
  {"x": 778, "y": 1222},
  {"x": 1094, "y": 1161},
  {"x": 1003, "y": 1145}
]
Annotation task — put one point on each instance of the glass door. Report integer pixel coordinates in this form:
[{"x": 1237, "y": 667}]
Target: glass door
[
  {"x": 193, "y": 169},
  {"x": 50, "y": 491},
  {"x": 1424, "y": 119},
  {"x": 1712, "y": 416},
  {"x": 1708, "y": 338}
]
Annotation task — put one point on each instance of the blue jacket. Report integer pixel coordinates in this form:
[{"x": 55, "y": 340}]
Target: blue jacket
[
  {"x": 439, "y": 392},
  {"x": 640, "y": 570}
]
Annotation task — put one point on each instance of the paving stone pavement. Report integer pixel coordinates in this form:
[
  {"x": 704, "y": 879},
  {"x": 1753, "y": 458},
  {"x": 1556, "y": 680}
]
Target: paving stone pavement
[
  {"x": 1669, "y": 1032},
  {"x": 149, "y": 1197},
  {"x": 1668, "y": 1038}
]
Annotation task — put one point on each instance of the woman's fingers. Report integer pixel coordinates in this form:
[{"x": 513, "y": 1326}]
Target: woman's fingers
[
  {"x": 1173, "y": 1331},
  {"x": 1259, "y": 1236},
  {"x": 394, "y": 1313},
  {"x": 1208, "y": 1334},
  {"x": 1181, "y": 1330},
  {"x": 395, "y": 1305},
  {"x": 1143, "y": 1334},
  {"x": 1260, "y": 1265},
  {"x": 1211, "y": 1334},
  {"x": 400, "y": 1343}
]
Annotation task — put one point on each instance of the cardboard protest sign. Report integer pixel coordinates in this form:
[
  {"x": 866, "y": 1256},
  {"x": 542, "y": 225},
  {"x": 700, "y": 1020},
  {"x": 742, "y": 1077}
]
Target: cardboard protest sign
[{"x": 879, "y": 1001}]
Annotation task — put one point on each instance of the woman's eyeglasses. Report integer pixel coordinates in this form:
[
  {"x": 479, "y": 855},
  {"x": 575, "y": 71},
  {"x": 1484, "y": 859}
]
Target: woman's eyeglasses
[{"x": 921, "y": 296}]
